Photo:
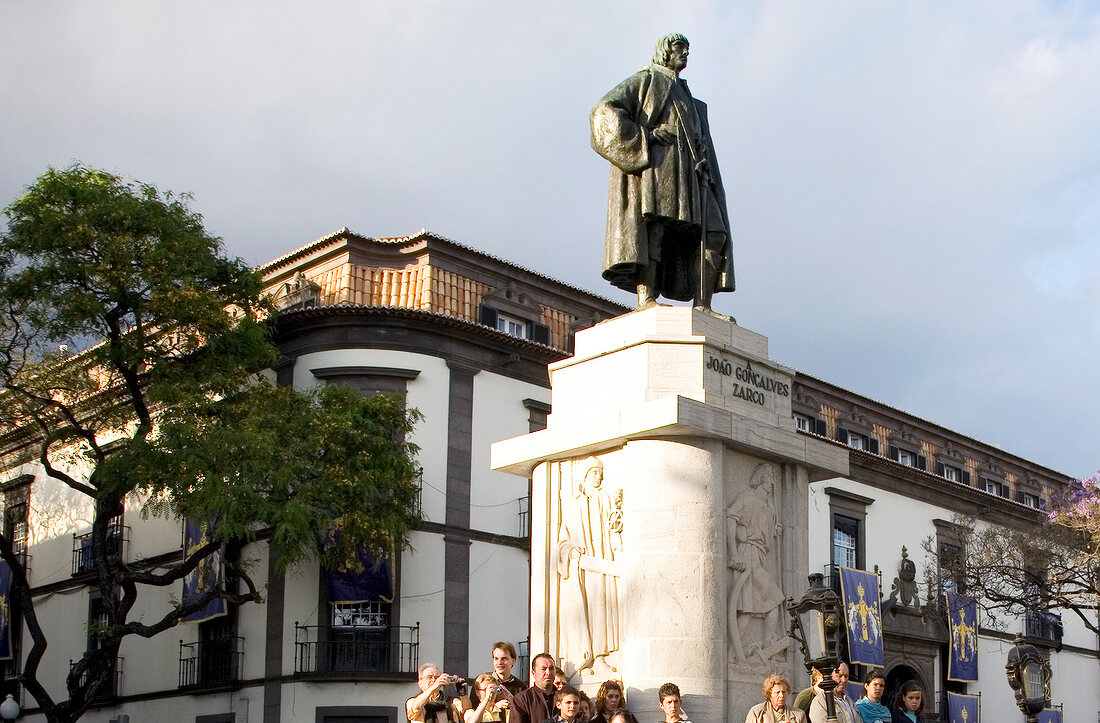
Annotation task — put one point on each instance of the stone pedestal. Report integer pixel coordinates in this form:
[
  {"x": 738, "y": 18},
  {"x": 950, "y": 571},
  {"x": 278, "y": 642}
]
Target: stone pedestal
[{"x": 669, "y": 511}]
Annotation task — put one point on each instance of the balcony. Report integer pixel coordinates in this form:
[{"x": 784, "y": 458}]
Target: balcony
[
  {"x": 1043, "y": 628},
  {"x": 83, "y": 557},
  {"x": 339, "y": 650},
  {"x": 109, "y": 690},
  {"x": 211, "y": 663}
]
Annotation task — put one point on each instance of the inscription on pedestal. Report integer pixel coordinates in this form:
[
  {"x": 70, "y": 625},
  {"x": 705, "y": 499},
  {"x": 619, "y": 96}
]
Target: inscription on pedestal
[{"x": 740, "y": 379}]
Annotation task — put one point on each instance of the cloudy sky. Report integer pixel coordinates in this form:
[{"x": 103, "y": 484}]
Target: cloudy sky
[{"x": 914, "y": 187}]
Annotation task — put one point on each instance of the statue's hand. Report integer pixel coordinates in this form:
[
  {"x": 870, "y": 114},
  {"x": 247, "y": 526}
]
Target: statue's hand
[{"x": 665, "y": 133}]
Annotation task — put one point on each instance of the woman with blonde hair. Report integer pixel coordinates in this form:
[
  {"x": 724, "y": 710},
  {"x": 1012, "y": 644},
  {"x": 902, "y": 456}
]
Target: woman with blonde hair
[
  {"x": 494, "y": 700},
  {"x": 774, "y": 709}
]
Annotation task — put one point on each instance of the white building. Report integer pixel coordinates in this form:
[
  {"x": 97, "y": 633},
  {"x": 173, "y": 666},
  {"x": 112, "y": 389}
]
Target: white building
[{"x": 468, "y": 337}]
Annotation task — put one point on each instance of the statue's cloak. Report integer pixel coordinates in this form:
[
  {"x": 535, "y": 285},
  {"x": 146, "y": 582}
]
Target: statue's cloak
[{"x": 651, "y": 180}]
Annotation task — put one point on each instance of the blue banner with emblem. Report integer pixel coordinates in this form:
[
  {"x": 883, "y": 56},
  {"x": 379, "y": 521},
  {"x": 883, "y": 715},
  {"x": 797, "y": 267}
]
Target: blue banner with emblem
[
  {"x": 1050, "y": 715},
  {"x": 372, "y": 581},
  {"x": 962, "y": 624},
  {"x": 963, "y": 708},
  {"x": 863, "y": 613},
  {"x": 5, "y": 611},
  {"x": 206, "y": 576}
]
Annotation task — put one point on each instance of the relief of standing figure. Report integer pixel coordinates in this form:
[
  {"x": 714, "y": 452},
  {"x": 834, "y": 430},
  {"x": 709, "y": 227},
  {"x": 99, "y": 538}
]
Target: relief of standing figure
[
  {"x": 751, "y": 533},
  {"x": 589, "y": 537}
]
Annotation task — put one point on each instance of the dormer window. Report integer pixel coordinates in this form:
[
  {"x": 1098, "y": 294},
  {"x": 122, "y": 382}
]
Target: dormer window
[
  {"x": 907, "y": 457},
  {"x": 512, "y": 325}
]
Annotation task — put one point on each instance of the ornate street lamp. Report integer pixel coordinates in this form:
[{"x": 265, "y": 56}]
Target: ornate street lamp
[
  {"x": 9, "y": 709},
  {"x": 816, "y": 622},
  {"x": 1029, "y": 675}
]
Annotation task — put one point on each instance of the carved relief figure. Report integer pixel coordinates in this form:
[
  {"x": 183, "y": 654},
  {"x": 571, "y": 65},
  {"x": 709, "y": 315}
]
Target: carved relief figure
[
  {"x": 589, "y": 537},
  {"x": 755, "y": 598}
]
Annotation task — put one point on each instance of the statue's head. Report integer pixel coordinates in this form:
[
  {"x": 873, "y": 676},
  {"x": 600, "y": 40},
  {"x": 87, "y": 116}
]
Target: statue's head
[
  {"x": 672, "y": 51},
  {"x": 763, "y": 475},
  {"x": 593, "y": 476}
]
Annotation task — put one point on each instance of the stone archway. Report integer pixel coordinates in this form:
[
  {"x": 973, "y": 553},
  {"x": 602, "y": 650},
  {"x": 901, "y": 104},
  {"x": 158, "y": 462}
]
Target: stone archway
[{"x": 897, "y": 677}]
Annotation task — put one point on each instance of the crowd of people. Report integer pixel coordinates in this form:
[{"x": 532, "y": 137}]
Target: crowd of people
[{"x": 500, "y": 697}]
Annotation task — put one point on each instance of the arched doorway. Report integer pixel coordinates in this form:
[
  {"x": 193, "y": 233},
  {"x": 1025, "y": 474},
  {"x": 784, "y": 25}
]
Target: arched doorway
[{"x": 898, "y": 676}]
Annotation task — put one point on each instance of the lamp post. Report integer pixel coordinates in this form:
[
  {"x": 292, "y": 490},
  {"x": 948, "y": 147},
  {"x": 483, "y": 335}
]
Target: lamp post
[
  {"x": 9, "y": 709},
  {"x": 815, "y": 625},
  {"x": 1029, "y": 675}
]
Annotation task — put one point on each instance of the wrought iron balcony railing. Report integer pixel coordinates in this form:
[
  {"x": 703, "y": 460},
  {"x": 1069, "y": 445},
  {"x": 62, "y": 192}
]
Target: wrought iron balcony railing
[
  {"x": 211, "y": 662},
  {"x": 110, "y": 688},
  {"x": 83, "y": 555},
  {"x": 336, "y": 649},
  {"x": 1043, "y": 627}
]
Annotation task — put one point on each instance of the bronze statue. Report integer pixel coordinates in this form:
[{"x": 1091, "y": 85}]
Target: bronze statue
[{"x": 666, "y": 209}]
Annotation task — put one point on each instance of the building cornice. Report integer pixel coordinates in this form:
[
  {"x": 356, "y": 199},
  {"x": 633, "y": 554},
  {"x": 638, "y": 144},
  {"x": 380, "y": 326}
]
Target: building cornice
[{"x": 456, "y": 341}]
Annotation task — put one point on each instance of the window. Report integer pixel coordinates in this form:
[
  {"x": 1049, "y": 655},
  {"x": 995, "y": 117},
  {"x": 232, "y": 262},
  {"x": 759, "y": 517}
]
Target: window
[
  {"x": 1032, "y": 500},
  {"x": 512, "y": 326},
  {"x": 517, "y": 320},
  {"x": 845, "y": 541},
  {"x": 849, "y": 513},
  {"x": 216, "y": 657},
  {"x": 809, "y": 424},
  {"x": 951, "y": 567},
  {"x": 17, "y": 517},
  {"x": 15, "y": 529},
  {"x": 993, "y": 487},
  {"x": 953, "y": 474},
  {"x": 907, "y": 457},
  {"x": 358, "y": 634},
  {"x": 83, "y": 554},
  {"x": 97, "y": 619},
  {"x": 951, "y": 556},
  {"x": 857, "y": 440}
]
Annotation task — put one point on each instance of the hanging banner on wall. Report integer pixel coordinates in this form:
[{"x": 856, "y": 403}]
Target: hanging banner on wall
[
  {"x": 206, "y": 576},
  {"x": 962, "y": 622},
  {"x": 5, "y": 611},
  {"x": 374, "y": 581},
  {"x": 859, "y": 593},
  {"x": 963, "y": 708},
  {"x": 1050, "y": 715}
]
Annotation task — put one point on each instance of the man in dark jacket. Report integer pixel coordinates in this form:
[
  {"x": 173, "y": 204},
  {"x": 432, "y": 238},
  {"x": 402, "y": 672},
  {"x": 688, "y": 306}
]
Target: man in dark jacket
[{"x": 536, "y": 704}]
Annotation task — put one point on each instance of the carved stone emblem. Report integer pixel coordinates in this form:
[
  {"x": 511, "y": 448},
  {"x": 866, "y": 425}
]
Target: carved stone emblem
[{"x": 904, "y": 590}]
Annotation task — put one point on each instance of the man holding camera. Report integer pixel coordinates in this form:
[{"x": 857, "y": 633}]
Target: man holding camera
[{"x": 434, "y": 704}]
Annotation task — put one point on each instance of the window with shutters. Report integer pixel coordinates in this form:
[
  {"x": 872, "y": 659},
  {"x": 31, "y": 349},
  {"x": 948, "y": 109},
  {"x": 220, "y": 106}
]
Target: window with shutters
[
  {"x": 953, "y": 474},
  {"x": 907, "y": 457}
]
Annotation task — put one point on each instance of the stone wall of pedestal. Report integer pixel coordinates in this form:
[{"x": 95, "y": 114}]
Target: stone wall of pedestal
[{"x": 669, "y": 509}]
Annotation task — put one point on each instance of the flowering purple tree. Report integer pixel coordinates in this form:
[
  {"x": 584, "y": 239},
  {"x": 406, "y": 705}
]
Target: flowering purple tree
[
  {"x": 1079, "y": 509},
  {"x": 1050, "y": 566}
]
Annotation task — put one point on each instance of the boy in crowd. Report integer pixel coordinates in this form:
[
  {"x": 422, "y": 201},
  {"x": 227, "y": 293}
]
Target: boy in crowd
[
  {"x": 669, "y": 695},
  {"x": 567, "y": 700}
]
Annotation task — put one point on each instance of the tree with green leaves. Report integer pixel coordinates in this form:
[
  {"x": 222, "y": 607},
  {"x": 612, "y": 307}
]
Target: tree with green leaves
[{"x": 132, "y": 358}]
